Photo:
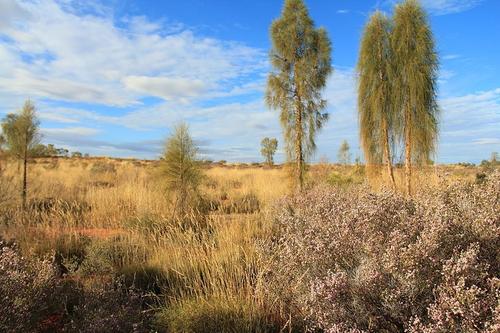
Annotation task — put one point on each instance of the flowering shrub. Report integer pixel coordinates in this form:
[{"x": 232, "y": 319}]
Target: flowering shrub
[
  {"x": 35, "y": 298},
  {"x": 27, "y": 290},
  {"x": 357, "y": 261}
]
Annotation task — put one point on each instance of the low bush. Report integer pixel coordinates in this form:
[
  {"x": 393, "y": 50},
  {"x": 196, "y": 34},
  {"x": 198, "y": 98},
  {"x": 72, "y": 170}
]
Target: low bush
[
  {"x": 33, "y": 298},
  {"x": 215, "y": 314},
  {"x": 356, "y": 261},
  {"x": 340, "y": 180},
  {"x": 108, "y": 256},
  {"x": 242, "y": 204},
  {"x": 28, "y": 291},
  {"x": 103, "y": 167}
]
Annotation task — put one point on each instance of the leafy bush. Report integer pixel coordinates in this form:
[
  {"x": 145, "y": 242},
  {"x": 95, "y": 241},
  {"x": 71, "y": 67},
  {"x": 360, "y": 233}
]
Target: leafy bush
[
  {"x": 243, "y": 204},
  {"x": 215, "y": 315},
  {"x": 33, "y": 298},
  {"x": 337, "y": 179},
  {"x": 180, "y": 169},
  {"x": 28, "y": 291},
  {"x": 103, "y": 167},
  {"x": 108, "y": 256},
  {"x": 352, "y": 260}
]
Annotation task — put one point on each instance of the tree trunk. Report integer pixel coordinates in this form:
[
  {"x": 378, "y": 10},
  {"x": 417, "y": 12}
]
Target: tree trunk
[
  {"x": 25, "y": 180},
  {"x": 408, "y": 151},
  {"x": 387, "y": 154},
  {"x": 299, "y": 155}
]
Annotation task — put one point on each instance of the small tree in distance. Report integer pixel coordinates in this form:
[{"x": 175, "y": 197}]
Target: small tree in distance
[
  {"x": 269, "y": 146},
  {"x": 344, "y": 155},
  {"x": 180, "y": 168},
  {"x": 21, "y": 131}
]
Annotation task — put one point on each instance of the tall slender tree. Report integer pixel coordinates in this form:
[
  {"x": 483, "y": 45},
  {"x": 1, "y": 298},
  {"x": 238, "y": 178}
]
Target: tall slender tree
[
  {"x": 375, "y": 93},
  {"x": 301, "y": 59},
  {"x": 415, "y": 66},
  {"x": 21, "y": 131}
]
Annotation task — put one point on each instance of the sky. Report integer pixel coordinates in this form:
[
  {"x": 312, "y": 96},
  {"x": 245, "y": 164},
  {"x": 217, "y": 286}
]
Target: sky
[{"x": 111, "y": 78}]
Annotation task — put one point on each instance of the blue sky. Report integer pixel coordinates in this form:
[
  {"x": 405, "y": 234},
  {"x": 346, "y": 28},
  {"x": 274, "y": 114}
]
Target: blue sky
[{"x": 113, "y": 77}]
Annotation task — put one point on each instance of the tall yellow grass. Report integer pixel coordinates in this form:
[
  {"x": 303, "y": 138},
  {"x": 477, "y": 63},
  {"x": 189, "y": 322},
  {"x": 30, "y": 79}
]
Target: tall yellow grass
[{"x": 214, "y": 259}]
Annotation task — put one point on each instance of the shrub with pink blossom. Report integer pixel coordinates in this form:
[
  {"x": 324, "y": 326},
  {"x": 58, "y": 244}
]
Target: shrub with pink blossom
[
  {"x": 357, "y": 261},
  {"x": 34, "y": 297}
]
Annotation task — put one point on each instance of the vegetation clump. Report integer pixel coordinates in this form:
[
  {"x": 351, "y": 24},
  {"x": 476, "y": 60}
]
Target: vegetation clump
[
  {"x": 181, "y": 170},
  {"x": 359, "y": 261}
]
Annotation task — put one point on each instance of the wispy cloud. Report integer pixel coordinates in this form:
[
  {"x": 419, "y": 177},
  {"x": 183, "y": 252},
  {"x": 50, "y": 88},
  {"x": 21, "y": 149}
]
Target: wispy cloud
[
  {"x": 343, "y": 11},
  {"x": 451, "y": 56},
  {"x": 443, "y": 7},
  {"x": 69, "y": 131},
  {"x": 488, "y": 141},
  {"x": 63, "y": 55}
]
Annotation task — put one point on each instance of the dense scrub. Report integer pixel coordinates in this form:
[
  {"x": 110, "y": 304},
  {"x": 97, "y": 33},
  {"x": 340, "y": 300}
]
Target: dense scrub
[
  {"x": 35, "y": 296},
  {"x": 356, "y": 261}
]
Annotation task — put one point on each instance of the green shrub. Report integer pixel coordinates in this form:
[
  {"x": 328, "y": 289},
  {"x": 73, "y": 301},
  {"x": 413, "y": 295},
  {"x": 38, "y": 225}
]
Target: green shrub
[
  {"x": 108, "y": 256},
  {"x": 340, "y": 180},
  {"x": 244, "y": 204},
  {"x": 103, "y": 167},
  {"x": 33, "y": 298},
  {"x": 146, "y": 278},
  {"x": 215, "y": 315}
]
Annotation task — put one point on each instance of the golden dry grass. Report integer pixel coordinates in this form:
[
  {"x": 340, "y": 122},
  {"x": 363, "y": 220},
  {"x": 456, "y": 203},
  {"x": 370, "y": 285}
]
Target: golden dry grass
[{"x": 119, "y": 206}]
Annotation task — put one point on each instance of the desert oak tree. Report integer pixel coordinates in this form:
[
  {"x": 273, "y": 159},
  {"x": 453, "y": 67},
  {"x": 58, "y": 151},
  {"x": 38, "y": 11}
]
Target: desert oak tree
[
  {"x": 301, "y": 60},
  {"x": 344, "y": 155},
  {"x": 21, "y": 132},
  {"x": 268, "y": 149},
  {"x": 415, "y": 67},
  {"x": 377, "y": 119}
]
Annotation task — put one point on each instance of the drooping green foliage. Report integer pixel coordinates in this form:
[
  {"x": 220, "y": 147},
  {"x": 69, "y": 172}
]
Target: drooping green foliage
[
  {"x": 2, "y": 142},
  {"x": 377, "y": 118},
  {"x": 2, "y": 150},
  {"x": 344, "y": 156},
  {"x": 180, "y": 167},
  {"x": 21, "y": 132},
  {"x": 415, "y": 73},
  {"x": 301, "y": 59},
  {"x": 269, "y": 146}
]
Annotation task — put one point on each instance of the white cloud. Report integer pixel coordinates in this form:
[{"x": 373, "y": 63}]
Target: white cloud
[
  {"x": 443, "y": 7},
  {"x": 166, "y": 88},
  {"x": 60, "y": 54},
  {"x": 467, "y": 122},
  {"x": 70, "y": 131},
  {"x": 488, "y": 141},
  {"x": 451, "y": 56},
  {"x": 343, "y": 11},
  {"x": 10, "y": 12}
]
